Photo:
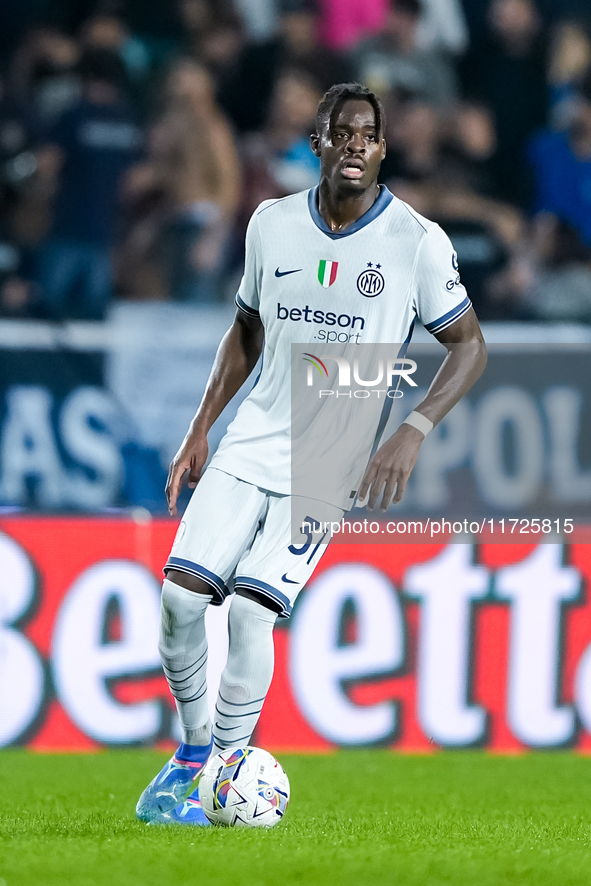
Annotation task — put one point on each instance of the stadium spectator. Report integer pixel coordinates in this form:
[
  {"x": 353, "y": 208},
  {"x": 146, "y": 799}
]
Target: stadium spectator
[
  {"x": 139, "y": 268},
  {"x": 443, "y": 26},
  {"x": 19, "y": 296},
  {"x": 43, "y": 74},
  {"x": 562, "y": 168},
  {"x": 93, "y": 145},
  {"x": 221, "y": 45},
  {"x": 246, "y": 94},
  {"x": 570, "y": 59},
  {"x": 278, "y": 160},
  {"x": 344, "y": 22},
  {"x": 455, "y": 149},
  {"x": 441, "y": 168},
  {"x": 558, "y": 285},
  {"x": 442, "y": 23},
  {"x": 193, "y": 166},
  {"x": 414, "y": 135},
  {"x": 17, "y": 161},
  {"x": 460, "y": 158},
  {"x": 551, "y": 279},
  {"x": 23, "y": 215},
  {"x": 259, "y": 18},
  {"x": 506, "y": 71},
  {"x": 299, "y": 47},
  {"x": 393, "y": 60},
  {"x": 197, "y": 18},
  {"x": 214, "y": 33},
  {"x": 109, "y": 32}
]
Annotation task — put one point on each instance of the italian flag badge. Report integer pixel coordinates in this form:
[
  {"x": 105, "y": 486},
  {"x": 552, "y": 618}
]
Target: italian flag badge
[{"x": 327, "y": 272}]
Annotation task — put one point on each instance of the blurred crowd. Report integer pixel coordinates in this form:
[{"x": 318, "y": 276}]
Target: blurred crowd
[{"x": 137, "y": 137}]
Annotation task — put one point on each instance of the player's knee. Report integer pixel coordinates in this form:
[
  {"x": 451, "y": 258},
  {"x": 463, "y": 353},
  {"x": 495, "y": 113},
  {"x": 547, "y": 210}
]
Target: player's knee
[
  {"x": 187, "y": 581},
  {"x": 250, "y": 653}
]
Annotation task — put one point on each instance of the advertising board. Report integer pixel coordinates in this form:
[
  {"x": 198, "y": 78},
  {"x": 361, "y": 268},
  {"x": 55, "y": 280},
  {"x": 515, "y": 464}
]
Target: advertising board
[{"x": 410, "y": 646}]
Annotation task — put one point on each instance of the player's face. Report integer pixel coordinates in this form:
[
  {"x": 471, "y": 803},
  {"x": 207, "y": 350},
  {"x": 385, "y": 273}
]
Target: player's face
[{"x": 352, "y": 151}]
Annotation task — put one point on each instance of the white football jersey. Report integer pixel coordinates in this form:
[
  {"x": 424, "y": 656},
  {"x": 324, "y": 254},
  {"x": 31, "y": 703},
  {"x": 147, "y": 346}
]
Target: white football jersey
[{"x": 312, "y": 286}]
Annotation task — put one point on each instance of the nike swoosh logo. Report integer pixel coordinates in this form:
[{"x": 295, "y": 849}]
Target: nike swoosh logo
[
  {"x": 279, "y": 273},
  {"x": 289, "y": 581}
]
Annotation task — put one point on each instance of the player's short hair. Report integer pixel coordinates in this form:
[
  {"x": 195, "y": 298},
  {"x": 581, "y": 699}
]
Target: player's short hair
[{"x": 333, "y": 100}]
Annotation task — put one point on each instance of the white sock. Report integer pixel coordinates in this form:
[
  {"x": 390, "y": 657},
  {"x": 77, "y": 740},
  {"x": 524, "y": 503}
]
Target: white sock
[
  {"x": 247, "y": 675},
  {"x": 183, "y": 652}
]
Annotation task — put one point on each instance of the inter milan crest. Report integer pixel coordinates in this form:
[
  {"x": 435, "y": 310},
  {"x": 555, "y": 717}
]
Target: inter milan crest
[
  {"x": 371, "y": 282},
  {"x": 327, "y": 272}
]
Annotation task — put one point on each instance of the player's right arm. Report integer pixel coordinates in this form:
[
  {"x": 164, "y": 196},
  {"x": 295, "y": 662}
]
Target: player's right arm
[{"x": 236, "y": 357}]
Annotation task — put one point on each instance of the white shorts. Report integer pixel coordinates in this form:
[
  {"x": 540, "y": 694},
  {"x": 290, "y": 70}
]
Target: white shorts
[{"x": 235, "y": 533}]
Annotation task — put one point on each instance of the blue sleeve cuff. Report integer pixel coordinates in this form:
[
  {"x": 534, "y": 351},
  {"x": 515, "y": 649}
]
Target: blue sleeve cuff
[
  {"x": 240, "y": 303},
  {"x": 447, "y": 319}
]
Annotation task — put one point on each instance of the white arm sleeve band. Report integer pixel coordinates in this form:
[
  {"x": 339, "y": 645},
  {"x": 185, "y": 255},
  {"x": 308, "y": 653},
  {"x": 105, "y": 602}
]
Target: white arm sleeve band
[{"x": 418, "y": 421}]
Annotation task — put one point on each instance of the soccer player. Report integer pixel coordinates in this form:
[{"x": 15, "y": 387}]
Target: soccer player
[{"x": 237, "y": 526}]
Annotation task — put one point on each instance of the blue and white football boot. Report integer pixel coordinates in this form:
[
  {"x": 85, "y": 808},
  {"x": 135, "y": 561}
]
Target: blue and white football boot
[
  {"x": 189, "y": 812},
  {"x": 173, "y": 782}
]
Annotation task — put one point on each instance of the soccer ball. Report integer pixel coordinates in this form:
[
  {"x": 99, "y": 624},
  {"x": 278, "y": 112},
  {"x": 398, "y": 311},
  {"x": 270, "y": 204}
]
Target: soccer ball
[{"x": 244, "y": 787}]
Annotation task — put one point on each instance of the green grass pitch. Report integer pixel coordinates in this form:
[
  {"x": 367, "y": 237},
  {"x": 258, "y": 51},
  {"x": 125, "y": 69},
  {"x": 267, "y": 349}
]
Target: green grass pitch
[{"x": 356, "y": 817}]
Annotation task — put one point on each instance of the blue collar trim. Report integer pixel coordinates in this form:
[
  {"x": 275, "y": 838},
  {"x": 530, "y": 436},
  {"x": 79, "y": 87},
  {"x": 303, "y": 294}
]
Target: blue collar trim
[{"x": 383, "y": 201}]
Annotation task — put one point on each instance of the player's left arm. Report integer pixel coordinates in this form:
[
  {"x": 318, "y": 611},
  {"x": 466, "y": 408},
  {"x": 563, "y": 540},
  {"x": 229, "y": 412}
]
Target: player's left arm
[{"x": 463, "y": 365}]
